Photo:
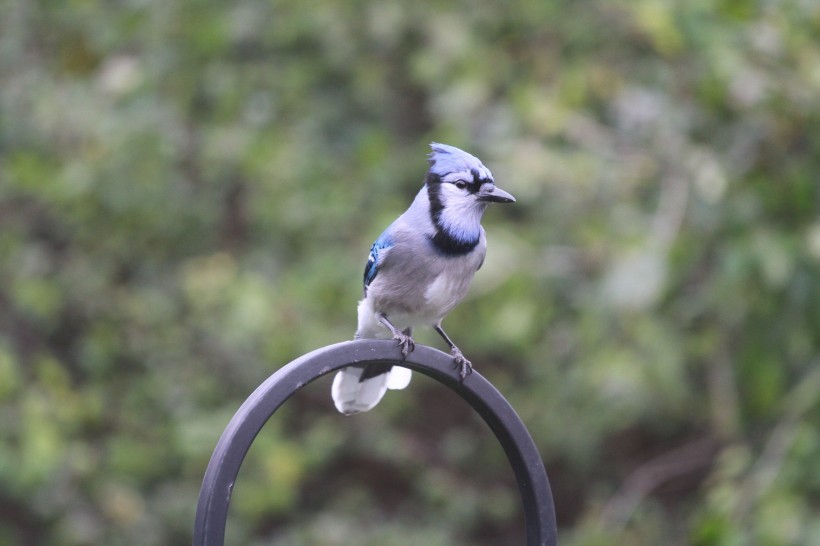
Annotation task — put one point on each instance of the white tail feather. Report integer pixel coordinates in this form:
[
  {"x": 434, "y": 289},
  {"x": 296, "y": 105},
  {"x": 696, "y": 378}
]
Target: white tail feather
[
  {"x": 353, "y": 396},
  {"x": 398, "y": 378}
]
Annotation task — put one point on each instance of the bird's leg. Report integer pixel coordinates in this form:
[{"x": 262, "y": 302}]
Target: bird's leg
[
  {"x": 405, "y": 341},
  {"x": 465, "y": 367}
]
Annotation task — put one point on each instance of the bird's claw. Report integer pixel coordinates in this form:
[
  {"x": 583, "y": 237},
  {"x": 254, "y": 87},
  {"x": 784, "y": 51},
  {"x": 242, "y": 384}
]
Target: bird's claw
[
  {"x": 464, "y": 366},
  {"x": 406, "y": 343}
]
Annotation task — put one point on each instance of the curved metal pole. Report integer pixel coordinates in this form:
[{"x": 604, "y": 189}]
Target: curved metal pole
[{"x": 230, "y": 451}]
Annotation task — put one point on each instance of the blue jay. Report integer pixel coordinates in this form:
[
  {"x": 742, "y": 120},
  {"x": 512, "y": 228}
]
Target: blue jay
[{"x": 419, "y": 269}]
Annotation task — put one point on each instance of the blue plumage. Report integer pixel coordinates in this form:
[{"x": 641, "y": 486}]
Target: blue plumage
[
  {"x": 419, "y": 269},
  {"x": 450, "y": 161},
  {"x": 377, "y": 252}
]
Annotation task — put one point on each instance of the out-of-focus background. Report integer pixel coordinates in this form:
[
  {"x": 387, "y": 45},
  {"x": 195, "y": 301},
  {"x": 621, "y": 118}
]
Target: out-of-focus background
[{"x": 188, "y": 192}]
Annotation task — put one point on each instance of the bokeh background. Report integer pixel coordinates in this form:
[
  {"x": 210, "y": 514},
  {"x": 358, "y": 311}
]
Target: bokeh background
[{"x": 188, "y": 192}]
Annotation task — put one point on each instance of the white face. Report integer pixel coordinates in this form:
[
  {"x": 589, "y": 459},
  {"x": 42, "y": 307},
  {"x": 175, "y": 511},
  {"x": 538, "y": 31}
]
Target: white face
[{"x": 462, "y": 211}]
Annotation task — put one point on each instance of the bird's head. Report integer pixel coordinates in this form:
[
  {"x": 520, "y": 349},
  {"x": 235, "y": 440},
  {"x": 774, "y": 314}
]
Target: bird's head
[
  {"x": 463, "y": 178},
  {"x": 460, "y": 188}
]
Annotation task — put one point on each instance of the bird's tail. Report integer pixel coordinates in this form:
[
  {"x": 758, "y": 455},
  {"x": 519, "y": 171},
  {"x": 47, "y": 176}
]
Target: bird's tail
[{"x": 359, "y": 388}]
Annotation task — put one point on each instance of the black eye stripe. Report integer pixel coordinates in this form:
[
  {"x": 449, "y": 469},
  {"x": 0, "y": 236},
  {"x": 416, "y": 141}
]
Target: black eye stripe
[
  {"x": 470, "y": 186},
  {"x": 473, "y": 186}
]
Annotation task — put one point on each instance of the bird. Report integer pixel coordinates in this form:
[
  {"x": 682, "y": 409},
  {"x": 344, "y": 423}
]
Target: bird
[{"x": 419, "y": 269}]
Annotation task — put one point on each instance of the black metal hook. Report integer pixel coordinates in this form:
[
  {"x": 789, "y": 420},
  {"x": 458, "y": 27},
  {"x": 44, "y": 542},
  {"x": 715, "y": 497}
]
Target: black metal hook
[{"x": 236, "y": 440}]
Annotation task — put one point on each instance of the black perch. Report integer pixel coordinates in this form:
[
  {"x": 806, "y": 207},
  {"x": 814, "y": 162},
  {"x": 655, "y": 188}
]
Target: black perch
[{"x": 236, "y": 440}]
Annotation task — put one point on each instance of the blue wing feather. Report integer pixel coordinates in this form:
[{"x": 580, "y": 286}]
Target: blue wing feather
[{"x": 375, "y": 259}]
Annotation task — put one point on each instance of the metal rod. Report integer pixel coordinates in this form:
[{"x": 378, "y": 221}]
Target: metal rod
[{"x": 236, "y": 440}]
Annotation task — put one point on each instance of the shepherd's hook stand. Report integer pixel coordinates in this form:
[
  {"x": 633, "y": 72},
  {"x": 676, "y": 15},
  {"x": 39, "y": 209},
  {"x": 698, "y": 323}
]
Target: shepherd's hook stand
[{"x": 215, "y": 496}]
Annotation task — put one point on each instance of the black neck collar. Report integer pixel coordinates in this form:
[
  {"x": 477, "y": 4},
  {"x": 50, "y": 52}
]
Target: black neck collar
[{"x": 451, "y": 246}]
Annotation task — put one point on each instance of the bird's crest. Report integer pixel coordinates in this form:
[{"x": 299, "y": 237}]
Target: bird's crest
[{"x": 449, "y": 162}]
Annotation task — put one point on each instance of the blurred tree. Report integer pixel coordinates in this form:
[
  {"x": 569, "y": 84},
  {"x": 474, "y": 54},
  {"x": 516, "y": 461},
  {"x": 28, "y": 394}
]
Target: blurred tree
[{"x": 188, "y": 191}]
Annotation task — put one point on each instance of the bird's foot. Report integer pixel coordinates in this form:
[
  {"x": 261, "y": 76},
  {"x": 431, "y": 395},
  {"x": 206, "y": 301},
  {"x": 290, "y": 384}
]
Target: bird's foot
[
  {"x": 405, "y": 342},
  {"x": 464, "y": 366}
]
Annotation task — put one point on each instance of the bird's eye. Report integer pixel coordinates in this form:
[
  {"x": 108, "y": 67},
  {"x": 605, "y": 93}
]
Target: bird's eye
[{"x": 461, "y": 184}]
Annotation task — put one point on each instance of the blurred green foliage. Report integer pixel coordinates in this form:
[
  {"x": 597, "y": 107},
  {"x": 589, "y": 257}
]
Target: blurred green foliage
[{"x": 188, "y": 190}]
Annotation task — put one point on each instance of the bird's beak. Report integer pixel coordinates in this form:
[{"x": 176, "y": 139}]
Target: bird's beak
[{"x": 494, "y": 194}]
